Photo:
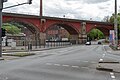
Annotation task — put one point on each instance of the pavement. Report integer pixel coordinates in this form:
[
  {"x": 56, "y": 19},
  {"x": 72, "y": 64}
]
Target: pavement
[
  {"x": 111, "y": 66},
  {"x": 111, "y": 51},
  {"x": 8, "y": 50},
  {"x": 25, "y": 49}
]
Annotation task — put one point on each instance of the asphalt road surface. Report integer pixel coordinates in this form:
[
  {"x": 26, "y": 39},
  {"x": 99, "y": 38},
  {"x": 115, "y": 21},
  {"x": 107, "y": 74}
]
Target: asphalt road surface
[{"x": 71, "y": 63}]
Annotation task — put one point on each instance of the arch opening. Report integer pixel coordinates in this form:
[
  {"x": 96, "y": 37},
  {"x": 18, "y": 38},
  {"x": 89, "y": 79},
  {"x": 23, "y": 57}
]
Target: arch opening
[
  {"x": 98, "y": 33},
  {"x": 61, "y": 32},
  {"x": 28, "y": 34}
]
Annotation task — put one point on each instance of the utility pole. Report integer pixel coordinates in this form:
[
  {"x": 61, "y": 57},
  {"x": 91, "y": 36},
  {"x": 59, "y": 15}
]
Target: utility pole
[
  {"x": 115, "y": 26},
  {"x": 40, "y": 14},
  {"x": 41, "y": 8}
]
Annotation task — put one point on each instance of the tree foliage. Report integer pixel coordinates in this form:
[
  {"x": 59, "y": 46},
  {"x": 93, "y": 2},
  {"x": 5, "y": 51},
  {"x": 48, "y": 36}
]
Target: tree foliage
[
  {"x": 11, "y": 29},
  {"x": 95, "y": 34},
  {"x": 112, "y": 18}
]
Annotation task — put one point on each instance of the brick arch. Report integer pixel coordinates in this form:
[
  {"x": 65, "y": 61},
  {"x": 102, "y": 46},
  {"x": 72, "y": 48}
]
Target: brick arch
[
  {"x": 69, "y": 27},
  {"x": 104, "y": 30},
  {"x": 33, "y": 28}
]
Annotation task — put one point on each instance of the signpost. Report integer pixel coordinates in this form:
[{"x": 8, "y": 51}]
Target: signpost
[{"x": 112, "y": 37}]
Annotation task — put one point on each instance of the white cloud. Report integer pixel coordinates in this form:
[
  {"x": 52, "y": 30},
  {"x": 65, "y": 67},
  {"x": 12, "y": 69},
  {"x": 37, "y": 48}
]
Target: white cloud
[{"x": 78, "y": 9}]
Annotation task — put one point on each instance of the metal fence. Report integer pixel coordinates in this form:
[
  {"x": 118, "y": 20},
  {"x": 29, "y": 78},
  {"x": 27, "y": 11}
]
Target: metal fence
[{"x": 57, "y": 43}]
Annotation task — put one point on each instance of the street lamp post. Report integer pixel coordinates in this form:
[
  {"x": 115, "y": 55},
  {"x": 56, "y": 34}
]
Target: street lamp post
[{"x": 115, "y": 25}]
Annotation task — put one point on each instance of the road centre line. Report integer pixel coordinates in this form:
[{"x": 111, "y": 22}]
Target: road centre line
[
  {"x": 66, "y": 65},
  {"x": 48, "y": 63},
  {"x": 104, "y": 49},
  {"x": 75, "y": 66},
  {"x": 93, "y": 62},
  {"x": 57, "y": 64},
  {"x": 85, "y": 67},
  {"x": 86, "y": 61},
  {"x": 103, "y": 55}
]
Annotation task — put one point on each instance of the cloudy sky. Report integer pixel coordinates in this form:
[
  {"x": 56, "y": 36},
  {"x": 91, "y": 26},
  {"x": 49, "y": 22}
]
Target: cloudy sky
[{"x": 75, "y": 9}]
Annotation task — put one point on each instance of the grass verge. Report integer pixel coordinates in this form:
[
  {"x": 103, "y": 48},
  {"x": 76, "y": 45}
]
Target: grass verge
[{"x": 20, "y": 54}]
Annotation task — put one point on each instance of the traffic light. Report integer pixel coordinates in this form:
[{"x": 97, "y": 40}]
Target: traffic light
[
  {"x": 3, "y": 32},
  {"x": 29, "y": 1}
]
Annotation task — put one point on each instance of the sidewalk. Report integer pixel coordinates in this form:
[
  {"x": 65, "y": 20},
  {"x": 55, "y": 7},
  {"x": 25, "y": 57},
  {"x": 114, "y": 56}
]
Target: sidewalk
[
  {"x": 25, "y": 49},
  {"x": 111, "y": 66},
  {"x": 110, "y": 51},
  {"x": 8, "y": 50}
]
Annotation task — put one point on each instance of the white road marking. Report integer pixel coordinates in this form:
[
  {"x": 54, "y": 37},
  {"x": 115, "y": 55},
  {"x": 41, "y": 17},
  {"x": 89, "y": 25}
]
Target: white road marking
[
  {"x": 85, "y": 61},
  {"x": 85, "y": 67},
  {"x": 57, "y": 64},
  {"x": 3, "y": 78},
  {"x": 6, "y": 78},
  {"x": 75, "y": 66},
  {"x": 112, "y": 75},
  {"x": 66, "y": 65},
  {"x": 101, "y": 60},
  {"x": 48, "y": 63},
  {"x": 103, "y": 55},
  {"x": 104, "y": 49},
  {"x": 93, "y": 62}
]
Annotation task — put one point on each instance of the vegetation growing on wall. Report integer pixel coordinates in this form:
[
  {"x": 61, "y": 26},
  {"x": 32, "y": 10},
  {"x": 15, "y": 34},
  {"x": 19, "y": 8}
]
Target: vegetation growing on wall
[{"x": 11, "y": 29}]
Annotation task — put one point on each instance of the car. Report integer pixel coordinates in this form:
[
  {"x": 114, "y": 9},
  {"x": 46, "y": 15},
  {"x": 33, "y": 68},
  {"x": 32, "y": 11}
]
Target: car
[
  {"x": 99, "y": 42},
  {"x": 88, "y": 43}
]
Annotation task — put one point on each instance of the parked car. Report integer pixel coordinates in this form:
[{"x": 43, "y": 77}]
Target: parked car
[{"x": 88, "y": 43}]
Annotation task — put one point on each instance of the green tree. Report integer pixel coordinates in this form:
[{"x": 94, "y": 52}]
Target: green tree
[
  {"x": 11, "y": 29},
  {"x": 95, "y": 34}
]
